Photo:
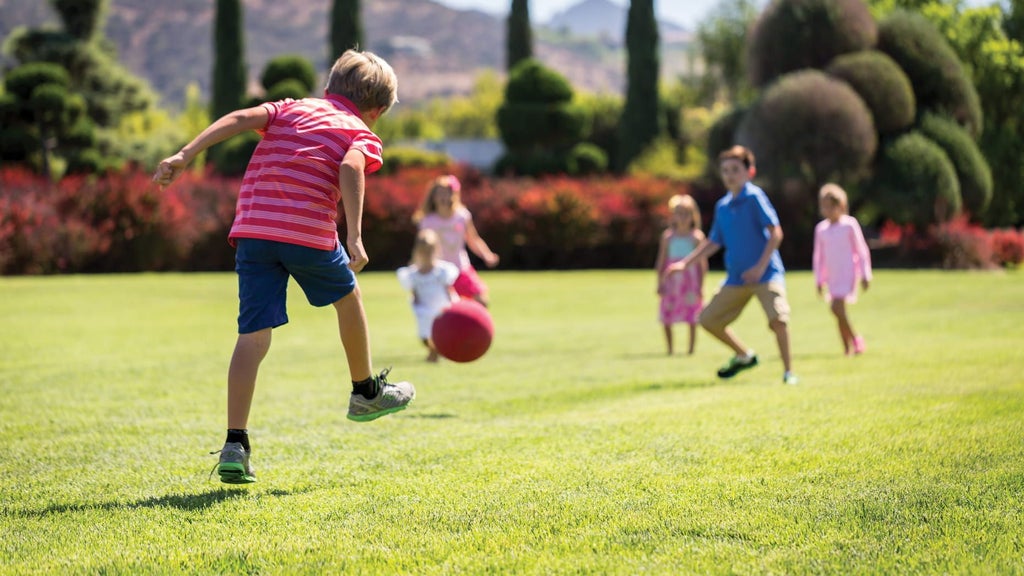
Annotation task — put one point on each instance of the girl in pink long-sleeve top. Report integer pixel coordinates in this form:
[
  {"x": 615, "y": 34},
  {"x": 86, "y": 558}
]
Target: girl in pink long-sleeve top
[{"x": 841, "y": 258}]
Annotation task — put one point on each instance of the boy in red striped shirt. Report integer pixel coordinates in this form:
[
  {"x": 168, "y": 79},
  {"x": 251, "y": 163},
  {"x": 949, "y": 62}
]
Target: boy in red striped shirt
[{"x": 315, "y": 152}]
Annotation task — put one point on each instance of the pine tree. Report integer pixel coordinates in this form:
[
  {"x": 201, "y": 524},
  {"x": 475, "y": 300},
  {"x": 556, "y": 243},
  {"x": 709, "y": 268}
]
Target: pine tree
[
  {"x": 639, "y": 125},
  {"x": 346, "y": 28},
  {"x": 229, "y": 70},
  {"x": 520, "y": 36}
]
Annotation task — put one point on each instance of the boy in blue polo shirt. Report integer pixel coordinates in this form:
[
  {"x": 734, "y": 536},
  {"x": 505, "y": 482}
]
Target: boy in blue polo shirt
[{"x": 747, "y": 226}]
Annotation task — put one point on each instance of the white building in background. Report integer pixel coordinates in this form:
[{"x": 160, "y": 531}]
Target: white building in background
[{"x": 480, "y": 153}]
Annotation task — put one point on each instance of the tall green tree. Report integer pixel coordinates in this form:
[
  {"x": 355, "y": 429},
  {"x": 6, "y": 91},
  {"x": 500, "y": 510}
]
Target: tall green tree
[
  {"x": 229, "y": 70},
  {"x": 82, "y": 18},
  {"x": 722, "y": 38},
  {"x": 346, "y": 27},
  {"x": 639, "y": 125},
  {"x": 519, "y": 43}
]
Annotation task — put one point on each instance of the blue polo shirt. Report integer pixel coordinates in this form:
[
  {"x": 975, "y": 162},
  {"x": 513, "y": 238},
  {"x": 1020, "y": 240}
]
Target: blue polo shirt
[{"x": 740, "y": 228}]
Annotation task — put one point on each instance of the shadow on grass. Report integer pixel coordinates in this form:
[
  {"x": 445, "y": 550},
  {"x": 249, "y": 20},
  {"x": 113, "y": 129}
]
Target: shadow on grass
[
  {"x": 436, "y": 416},
  {"x": 185, "y": 502}
]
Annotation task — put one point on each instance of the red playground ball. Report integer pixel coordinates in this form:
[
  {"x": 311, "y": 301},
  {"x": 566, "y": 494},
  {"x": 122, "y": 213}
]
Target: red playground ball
[{"x": 463, "y": 332}]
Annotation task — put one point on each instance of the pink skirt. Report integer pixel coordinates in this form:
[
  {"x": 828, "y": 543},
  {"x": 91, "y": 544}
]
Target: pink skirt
[{"x": 682, "y": 297}]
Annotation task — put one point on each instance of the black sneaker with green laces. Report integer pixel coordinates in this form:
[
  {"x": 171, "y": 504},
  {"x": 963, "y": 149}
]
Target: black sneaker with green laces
[{"x": 737, "y": 365}]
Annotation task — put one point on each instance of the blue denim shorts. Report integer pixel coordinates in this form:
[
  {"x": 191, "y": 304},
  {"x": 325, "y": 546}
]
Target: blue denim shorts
[{"x": 263, "y": 268}]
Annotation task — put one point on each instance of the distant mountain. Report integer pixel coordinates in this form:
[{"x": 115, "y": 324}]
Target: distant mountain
[
  {"x": 435, "y": 50},
  {"x": 607, "y": 20}
]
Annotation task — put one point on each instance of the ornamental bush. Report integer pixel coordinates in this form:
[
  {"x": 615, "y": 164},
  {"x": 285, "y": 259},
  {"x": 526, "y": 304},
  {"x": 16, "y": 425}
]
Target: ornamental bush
[
  {"x": 972, "y": 170},
  {"x": 915, "y": 182},
  {"x": 883, "y": 86},
  {"x": 792, "y": 35}
]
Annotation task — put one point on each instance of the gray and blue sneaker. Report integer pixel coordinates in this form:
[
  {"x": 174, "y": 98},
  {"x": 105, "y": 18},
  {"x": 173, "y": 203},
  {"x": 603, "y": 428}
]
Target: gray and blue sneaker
[
  {"x": 234, "y": 466},
  {"x": 390, "y": 398}
]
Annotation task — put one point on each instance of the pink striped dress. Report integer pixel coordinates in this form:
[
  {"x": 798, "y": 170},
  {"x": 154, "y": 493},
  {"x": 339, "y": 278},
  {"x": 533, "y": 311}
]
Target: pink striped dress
[{"x": 290, "y": 190}]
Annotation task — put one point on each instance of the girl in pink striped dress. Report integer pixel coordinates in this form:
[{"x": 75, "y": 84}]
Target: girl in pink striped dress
[
  {"x": 841, "y": 258},
  {"x": 682, "y": 293}
]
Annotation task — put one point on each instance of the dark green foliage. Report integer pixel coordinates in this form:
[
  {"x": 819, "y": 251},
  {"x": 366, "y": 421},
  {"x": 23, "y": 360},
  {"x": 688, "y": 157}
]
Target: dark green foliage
[
  {"x": 604, "y": 112},
  {"x": 346, "y": 28},
  {"x": 229, "y": 70},
  {"x": 795, "y": 34},
  {"x": 972, "y": 170},
  {"x": 289, "y": 67},
  {"x": 882, "y": 84},
  {"x": 810, "y": 126},
  {"x": 586, "y": 159},
  {"x": 915, "y": 182},
  {"x": 290, "y": 88},
  {"x": 538, "y": 121},
  {"x": 639, "y": 125},
  {"x": 81, "y": 18},
  {"x": 232, "y": 156},
  {"x": 722, "y": 135},
  {"x": 397, "y": 158},
  {"x": 940, "y": 82},
  {"x": 519, "y": 43},
  {"x": 531, "y": 81},
  {"x": 23, "y": 80}
]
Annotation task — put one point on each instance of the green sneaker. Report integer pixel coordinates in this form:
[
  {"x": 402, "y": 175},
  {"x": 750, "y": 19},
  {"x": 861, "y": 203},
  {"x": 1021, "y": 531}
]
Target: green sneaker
[
  {"x": 234, "y": 466},
  {"x": 735, "y": 365},
  {"x": 391, "y": 398},
  {"x": 790, "y": 379}
]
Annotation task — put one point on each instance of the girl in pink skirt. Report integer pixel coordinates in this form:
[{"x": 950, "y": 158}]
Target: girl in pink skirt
[
  {"x": 682, "y": 293},
  {"x": 442, "y": 211},
  {"x": 841, "y": 258}
]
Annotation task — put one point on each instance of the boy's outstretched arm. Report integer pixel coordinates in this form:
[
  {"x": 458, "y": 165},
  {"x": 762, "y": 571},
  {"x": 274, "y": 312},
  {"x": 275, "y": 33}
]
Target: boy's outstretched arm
[
  {"x": 352, "y": 182},
  {"x": 225, "y": 127}
]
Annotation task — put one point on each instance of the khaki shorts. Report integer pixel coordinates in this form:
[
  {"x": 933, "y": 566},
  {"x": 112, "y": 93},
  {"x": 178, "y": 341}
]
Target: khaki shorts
[{"x": 727, "y": 304}]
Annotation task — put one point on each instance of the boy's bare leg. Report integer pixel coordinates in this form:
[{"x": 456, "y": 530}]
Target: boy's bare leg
[
  {"x": 727, "y": 337},
  {"x": 781, "y": 330},
  {"x": 250, "y": 350},
  {"x": 355, "y": 335}
]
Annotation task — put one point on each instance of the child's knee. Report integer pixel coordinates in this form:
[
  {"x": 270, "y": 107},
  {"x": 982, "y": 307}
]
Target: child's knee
[{"x": 778, "y": 325}]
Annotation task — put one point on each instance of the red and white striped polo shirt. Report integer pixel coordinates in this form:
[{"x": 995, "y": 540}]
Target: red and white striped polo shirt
[{"x": 290, "y": 190}]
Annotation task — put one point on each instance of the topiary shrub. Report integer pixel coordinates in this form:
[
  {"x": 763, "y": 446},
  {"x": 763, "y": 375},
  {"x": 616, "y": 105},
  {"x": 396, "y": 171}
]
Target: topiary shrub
[
  {"x": 587, "y": 159},
  {"x": 795, "y": 34},
  {"x": 915, "y": 182},
  {"x": 810, "y": 127},
  {"x": 940, "y": 83},
  {"x": 290, "y": 88},
  {"x": 972, "y": 170},
  {"x": 883, "y": 86},
  {"x": 289, "y": 67}
]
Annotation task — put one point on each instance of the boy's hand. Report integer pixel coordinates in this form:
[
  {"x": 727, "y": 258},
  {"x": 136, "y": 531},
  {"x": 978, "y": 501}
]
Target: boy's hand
[
  {"x": 753, "y": 275},
  {"x": 679, "y": 266},
  {"x": 357, "y": 254},
  {"x": 169, "y": 169}
]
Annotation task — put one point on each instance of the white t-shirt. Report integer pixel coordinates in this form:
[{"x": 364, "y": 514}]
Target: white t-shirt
[{"x": 431, "y": 289}]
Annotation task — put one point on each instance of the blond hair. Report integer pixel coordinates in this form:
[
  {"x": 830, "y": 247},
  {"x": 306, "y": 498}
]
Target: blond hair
[
  {"x": 364, "y": 78},
  {"x": 426, "y": 244},
  {"x": 687, "y": 203},
  {"x": 429, "y": 205},
  {"x": 834, "y": 193}
]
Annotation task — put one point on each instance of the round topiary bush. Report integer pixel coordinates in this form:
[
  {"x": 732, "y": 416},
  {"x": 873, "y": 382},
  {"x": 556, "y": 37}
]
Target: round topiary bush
[
  {"x": 290, "y": 88},
  {"x": 289, "y": 67},
  {"x": 972, "y": 170},
  {"x": 883, "y": 86},
  {"x": 940, "y": 82},
  {"x": 915, "y": 182},
  {"x": 795, "y": 34},
  {"x": 531, "y": 81},
  {"x": 809, "y": 126}
]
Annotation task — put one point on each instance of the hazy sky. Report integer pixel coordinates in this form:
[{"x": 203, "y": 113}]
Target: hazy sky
[{"x": 686, "y": 12}]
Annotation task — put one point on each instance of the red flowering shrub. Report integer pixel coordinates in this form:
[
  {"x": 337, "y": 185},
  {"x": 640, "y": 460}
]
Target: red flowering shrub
[{"x": 1008, "y": 247}]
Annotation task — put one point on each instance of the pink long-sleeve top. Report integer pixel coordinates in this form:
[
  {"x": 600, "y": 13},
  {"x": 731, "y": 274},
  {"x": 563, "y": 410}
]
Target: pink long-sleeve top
[{"x": 841, "y": 256}]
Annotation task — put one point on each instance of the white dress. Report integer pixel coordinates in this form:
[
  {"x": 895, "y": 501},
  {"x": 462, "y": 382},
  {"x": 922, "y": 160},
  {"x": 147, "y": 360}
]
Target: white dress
[{"x": 431, "y": 292}]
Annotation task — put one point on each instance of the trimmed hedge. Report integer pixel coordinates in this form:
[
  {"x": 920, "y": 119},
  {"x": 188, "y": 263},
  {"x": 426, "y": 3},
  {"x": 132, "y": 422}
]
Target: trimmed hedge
[
  {"x": 883, "y": 85},
  {"x": 915, "y": 182},
  {"x": 972, "y": 170}
]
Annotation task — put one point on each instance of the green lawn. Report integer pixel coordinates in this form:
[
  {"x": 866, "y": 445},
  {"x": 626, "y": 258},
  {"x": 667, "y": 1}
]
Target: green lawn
[{"x": 575, "y": 446}]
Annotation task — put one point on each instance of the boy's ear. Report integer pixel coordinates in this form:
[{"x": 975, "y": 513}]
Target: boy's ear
[{"x": 752, "y": 171}]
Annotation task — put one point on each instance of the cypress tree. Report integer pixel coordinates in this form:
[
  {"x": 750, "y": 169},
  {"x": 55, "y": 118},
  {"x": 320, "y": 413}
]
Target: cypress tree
[
  {"x": 81, "y": 18},
  {"x": 229, "y": 72},
  {"x": 519, "y": 44},
  {"x": 346, "y": 28},
  {"x": 639, "y": 124}
]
